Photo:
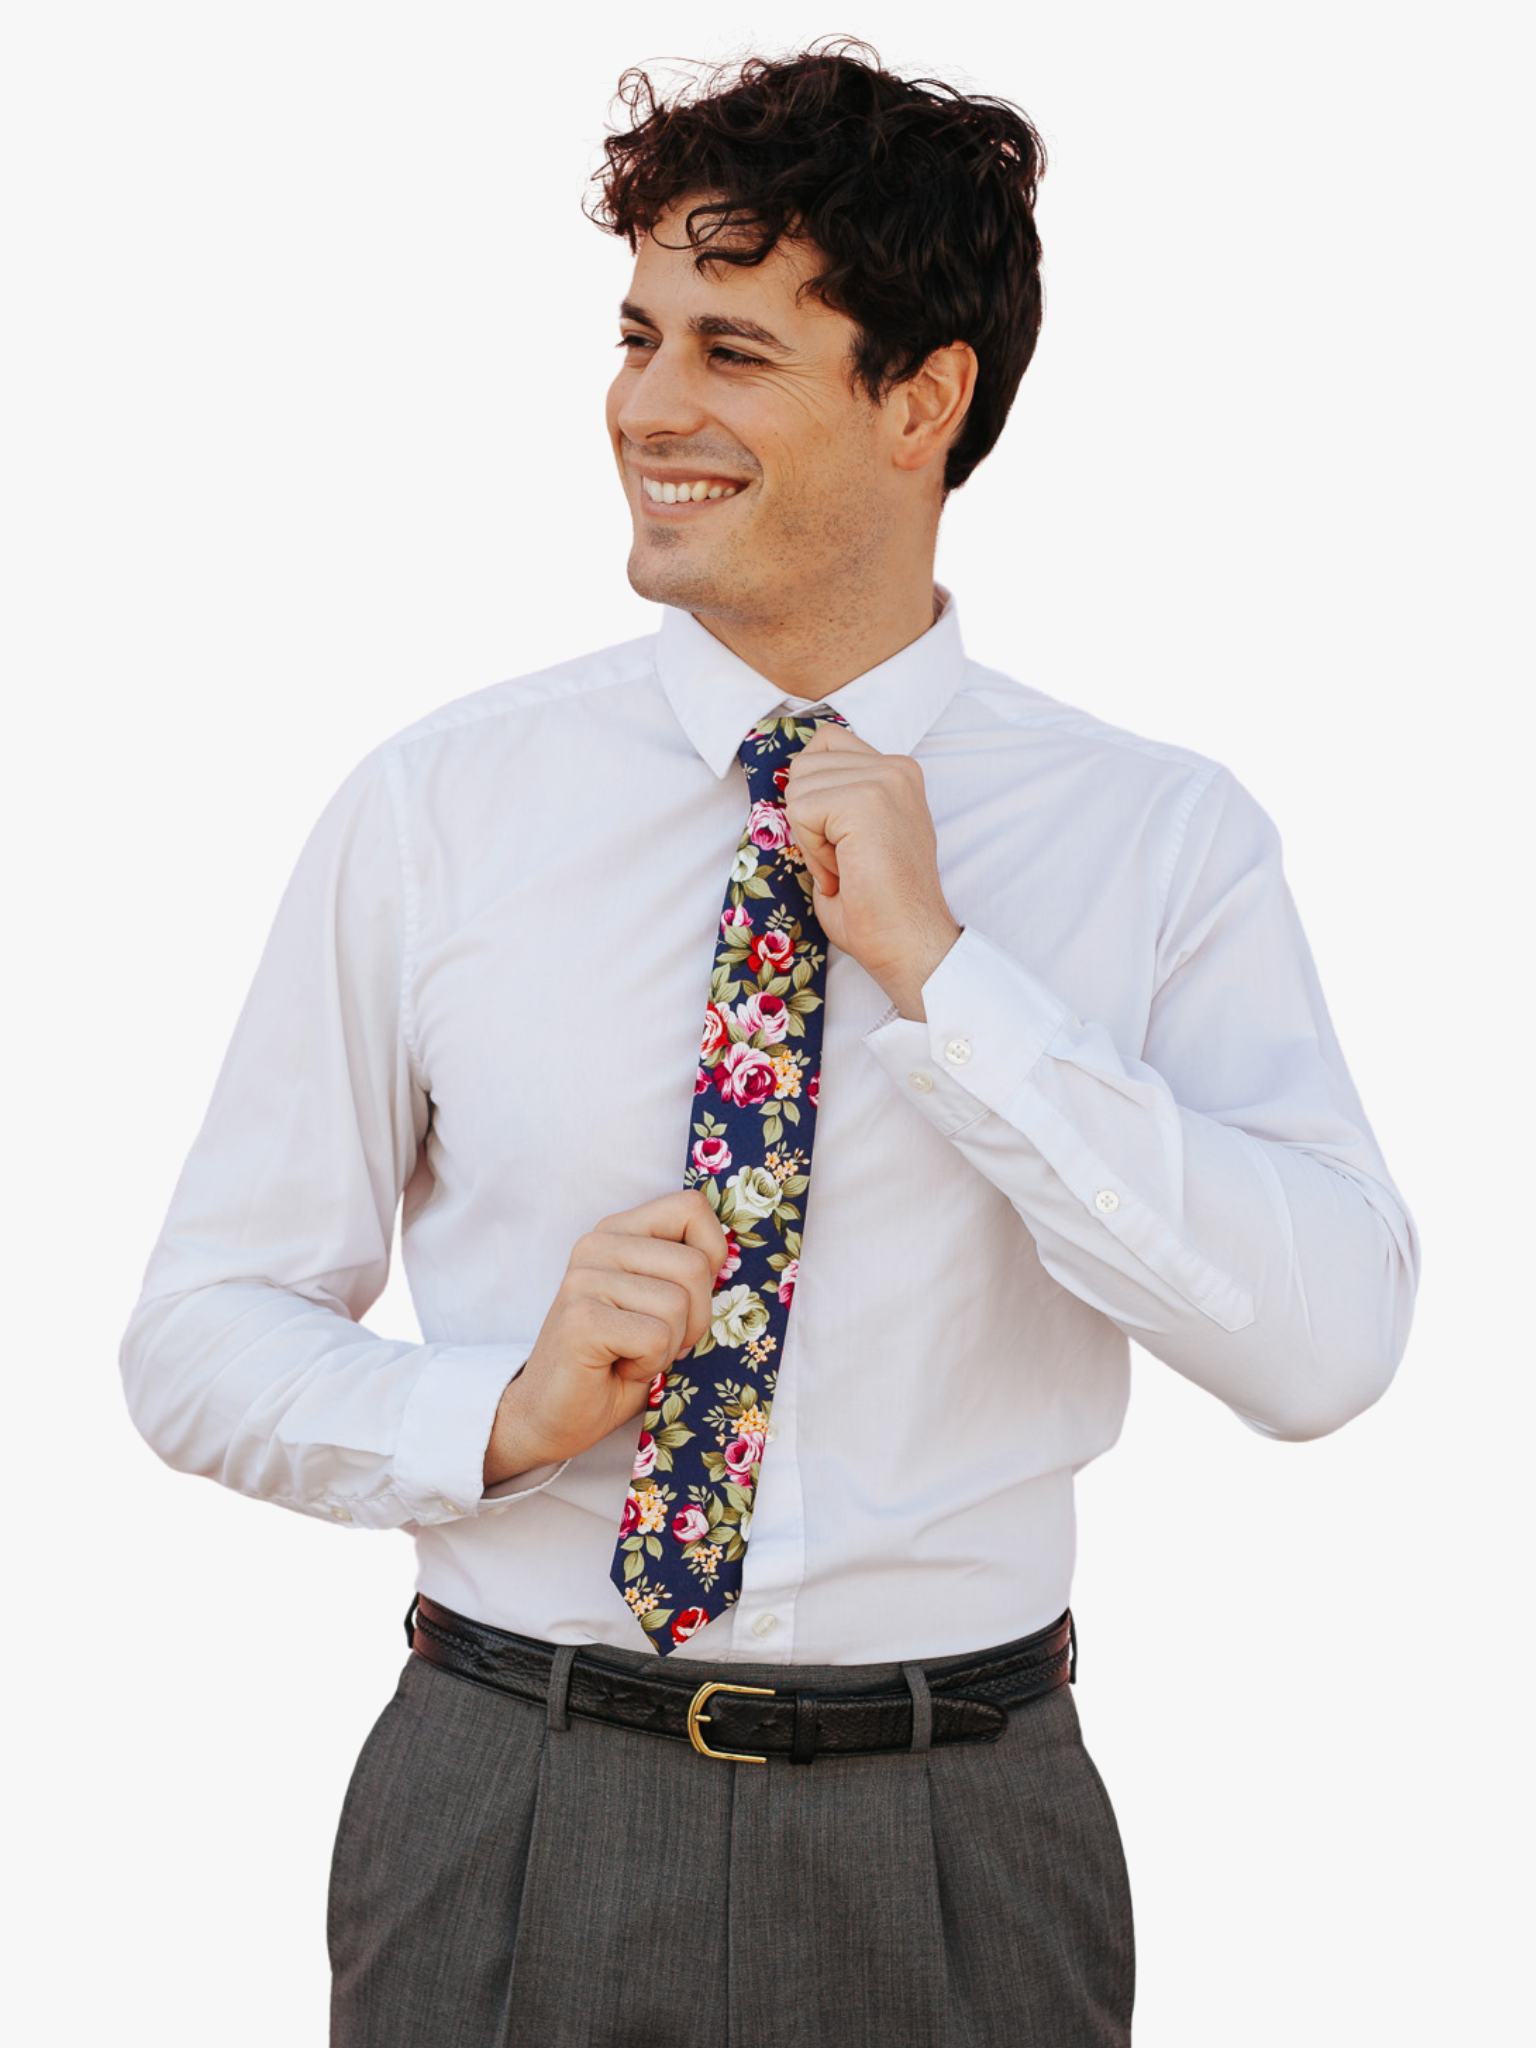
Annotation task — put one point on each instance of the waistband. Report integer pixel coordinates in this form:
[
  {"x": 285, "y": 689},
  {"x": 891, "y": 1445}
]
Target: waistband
[{"x": 950, "y": 1700}]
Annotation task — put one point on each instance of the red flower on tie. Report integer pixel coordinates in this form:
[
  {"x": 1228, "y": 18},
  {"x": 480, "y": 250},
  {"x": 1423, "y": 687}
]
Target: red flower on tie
[
  {"x": 746, "y": 1076},
  {"x": 768, "y": 826},
  {"x": 716, "y": 1033},
  {"x": 688, "y": 1623},
  {"x": 740, "y": 1459},
  {"x": 774, "y": 949}
]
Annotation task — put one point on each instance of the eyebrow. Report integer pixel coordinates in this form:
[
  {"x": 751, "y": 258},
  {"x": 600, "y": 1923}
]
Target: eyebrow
[{"x": 713, "y": 325}]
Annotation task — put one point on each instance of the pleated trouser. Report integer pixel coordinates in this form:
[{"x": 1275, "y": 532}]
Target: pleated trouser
[{"x": 499, "y": 1882}]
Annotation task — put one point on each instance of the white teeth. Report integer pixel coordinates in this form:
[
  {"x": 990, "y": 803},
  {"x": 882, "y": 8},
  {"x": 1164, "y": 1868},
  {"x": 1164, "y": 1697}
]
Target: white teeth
[{"x": 686, "y": 493}]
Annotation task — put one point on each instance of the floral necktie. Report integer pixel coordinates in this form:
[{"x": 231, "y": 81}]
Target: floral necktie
[{"x": 688, "y": 1512}]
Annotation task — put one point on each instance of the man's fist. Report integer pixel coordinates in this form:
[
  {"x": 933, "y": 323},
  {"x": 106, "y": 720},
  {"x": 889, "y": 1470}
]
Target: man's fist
[
  {"x": 635, "y": 1296},
  {"x": 861, "y": 819}
]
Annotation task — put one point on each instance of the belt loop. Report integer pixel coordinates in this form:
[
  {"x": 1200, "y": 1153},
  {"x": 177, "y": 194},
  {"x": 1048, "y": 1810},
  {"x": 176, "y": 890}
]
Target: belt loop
[
  {"x": 807, "y": 1733},
  {"x": 560, "y": 1685},
  {"x": 922, "y": 1705},
  {"x": 410, "y": 1623},
  {"x": 1072, "y": 1657}
]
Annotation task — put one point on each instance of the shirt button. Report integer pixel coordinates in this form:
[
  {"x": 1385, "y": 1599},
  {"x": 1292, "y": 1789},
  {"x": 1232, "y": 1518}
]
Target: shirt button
[
  {"x": 958, "y": 1051},
  {"x": 771, "y": 1434},
  {"x": 340, "y": 1513},
  {"x": 922, "y": 1082},
  {"x": 765, "y": 1624},
  {"x": 1106, "y": 1201},
  {"x": 448, "y": 1507}
]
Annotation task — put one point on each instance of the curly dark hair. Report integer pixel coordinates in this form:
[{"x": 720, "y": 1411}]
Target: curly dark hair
[{"x": 920, "y": 198}]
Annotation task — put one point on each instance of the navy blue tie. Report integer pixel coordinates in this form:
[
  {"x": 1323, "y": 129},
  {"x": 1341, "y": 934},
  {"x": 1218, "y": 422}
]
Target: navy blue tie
[{"x": 688, "y": 1513}]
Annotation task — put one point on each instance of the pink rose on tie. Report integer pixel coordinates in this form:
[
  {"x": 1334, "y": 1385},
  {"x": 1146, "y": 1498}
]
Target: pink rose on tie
[
  {"x": 746, "y": 1076},
  {"x": 716, "y": 1033},
  {"x": 688, "y": 1623},
  {"x": 787, "y": 1279},
  {"x": 701, "y": 1081},
  {"x": 711, "y": 1155},
  {"x": 740, "y": 917},
  {"x": 740, "y": 1457},
  {"x": 781, "y": 780},
  {"x": 658, "y": 1392},
  {"x": 768, "y": 825},
  {"x": 812, "y": 1089},
  {"x": 732, "y": 1259},
  {"x": 630, "y": 1516},
  {"x": 773, "y": 950},
  {"x": 766, "y": 1014},
  {"x": 690, "y": 1525},
  {"x": 645, "y": 1457}
]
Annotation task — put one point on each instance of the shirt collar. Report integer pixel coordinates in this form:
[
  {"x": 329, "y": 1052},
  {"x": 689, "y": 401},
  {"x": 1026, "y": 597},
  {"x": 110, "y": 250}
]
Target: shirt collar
[{"x": 717, "y": 698}]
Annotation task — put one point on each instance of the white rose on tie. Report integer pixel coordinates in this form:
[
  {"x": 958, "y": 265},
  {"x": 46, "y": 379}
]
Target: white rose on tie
[
  {"x": 737, "y": 1316},
  {"x": 750, "y": 1194}
]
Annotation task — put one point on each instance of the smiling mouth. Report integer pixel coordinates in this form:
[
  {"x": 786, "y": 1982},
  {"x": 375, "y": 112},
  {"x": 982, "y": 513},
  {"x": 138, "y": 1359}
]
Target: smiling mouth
[{"x": 686, "y": 490}]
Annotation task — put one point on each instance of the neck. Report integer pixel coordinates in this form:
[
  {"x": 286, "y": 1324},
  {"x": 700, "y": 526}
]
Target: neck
[{"x": 827, "y": 640}]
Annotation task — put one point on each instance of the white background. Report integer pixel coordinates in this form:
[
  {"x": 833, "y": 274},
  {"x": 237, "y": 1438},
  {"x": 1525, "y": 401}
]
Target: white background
[{"x": 306, "y": 349}]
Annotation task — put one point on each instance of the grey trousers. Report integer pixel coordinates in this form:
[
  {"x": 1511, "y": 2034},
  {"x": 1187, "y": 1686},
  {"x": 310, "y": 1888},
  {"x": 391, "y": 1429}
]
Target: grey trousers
[{"x": 503, "y": 1883}]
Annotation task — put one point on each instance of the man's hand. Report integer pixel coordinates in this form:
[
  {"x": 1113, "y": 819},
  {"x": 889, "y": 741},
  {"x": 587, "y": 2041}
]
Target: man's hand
[
  {"x": 635, "y": 1296},
  {"x": 861, "y": 819}
]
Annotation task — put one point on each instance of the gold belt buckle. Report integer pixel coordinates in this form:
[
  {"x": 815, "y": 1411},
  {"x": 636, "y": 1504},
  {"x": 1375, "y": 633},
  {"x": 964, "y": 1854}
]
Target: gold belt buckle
[{"x": 730, "y": 1756}]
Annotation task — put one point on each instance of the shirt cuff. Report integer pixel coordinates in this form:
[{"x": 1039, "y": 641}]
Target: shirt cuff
[
  {"x": 988, "y": 1020},
  {"x": 439, "y": 1463}
]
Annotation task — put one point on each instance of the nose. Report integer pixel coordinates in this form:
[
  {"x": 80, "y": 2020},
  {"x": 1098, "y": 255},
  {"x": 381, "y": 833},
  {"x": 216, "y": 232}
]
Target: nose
[{"x": 662, "y": 400}]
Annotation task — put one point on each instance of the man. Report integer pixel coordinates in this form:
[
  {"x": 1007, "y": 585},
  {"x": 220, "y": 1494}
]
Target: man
[{"x": 763, "y": 1360}]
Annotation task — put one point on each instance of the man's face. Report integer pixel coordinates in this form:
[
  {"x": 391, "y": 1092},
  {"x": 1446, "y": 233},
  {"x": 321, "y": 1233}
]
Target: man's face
[{"x": 738, "y": 397}]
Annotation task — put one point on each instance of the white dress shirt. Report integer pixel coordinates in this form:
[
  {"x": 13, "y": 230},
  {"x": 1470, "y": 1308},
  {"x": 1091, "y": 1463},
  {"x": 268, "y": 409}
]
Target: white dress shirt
[{"x": 1125, "y": 1115}]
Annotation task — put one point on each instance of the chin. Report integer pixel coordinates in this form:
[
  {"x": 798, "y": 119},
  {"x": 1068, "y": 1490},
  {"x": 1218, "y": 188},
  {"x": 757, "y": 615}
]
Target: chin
[{"x": 665, "y": 575}]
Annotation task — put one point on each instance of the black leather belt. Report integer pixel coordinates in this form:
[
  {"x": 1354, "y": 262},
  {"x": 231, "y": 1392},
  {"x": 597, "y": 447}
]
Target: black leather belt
[{"x": 749, "y": 1723}]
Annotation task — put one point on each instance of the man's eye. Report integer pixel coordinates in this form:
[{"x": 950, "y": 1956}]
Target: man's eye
[
  {"x": 635, "y": 341},
  {"x": 731, "y": 355}
]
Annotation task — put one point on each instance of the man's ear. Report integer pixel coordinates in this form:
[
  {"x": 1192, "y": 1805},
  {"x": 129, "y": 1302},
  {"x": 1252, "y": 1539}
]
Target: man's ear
[{"x": 929, "y": 409}]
